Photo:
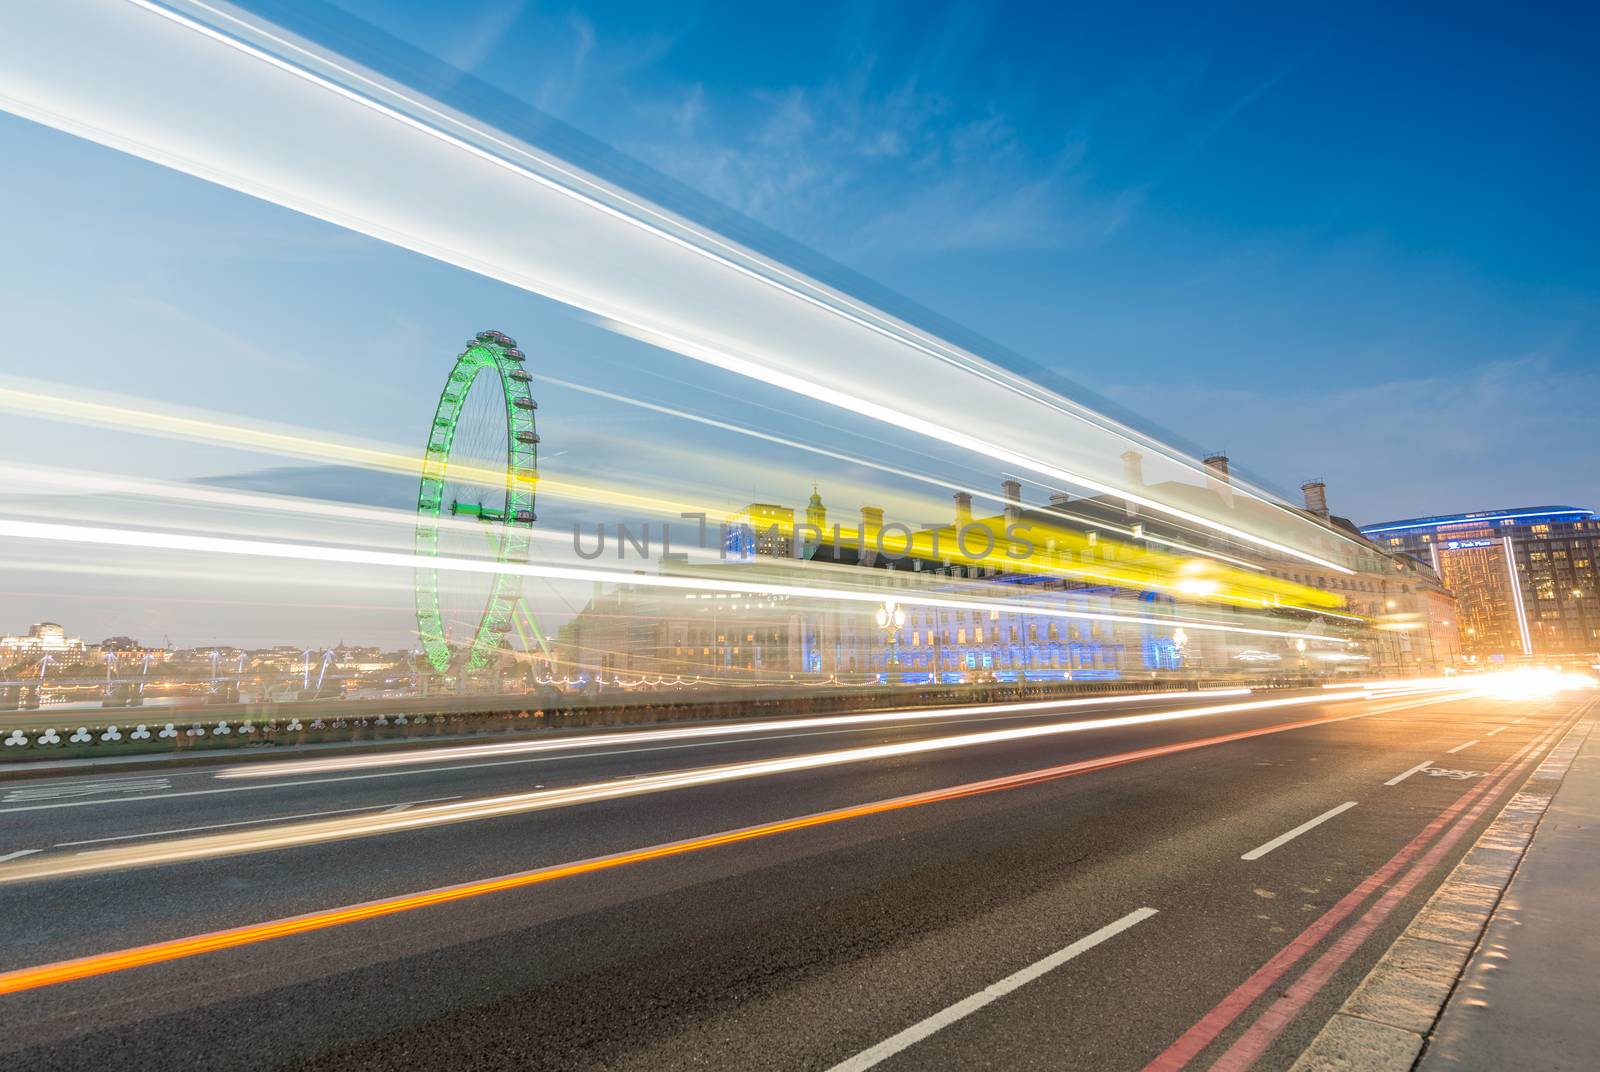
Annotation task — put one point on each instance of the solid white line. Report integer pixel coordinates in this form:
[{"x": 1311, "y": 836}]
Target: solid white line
[
  {"x": 17, "y": 855},
  {"x": 1283, "y": 839},
  {"x": 1459, "y": 747},
  {"x": 1397, "y": 779},
  {"x": 1494, "y": 731},
  {"x": 967, "y": 1006},
  {"x": 249, "y": 822}
]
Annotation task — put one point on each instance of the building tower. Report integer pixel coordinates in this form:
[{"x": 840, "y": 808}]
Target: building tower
[
  {"x": 1316, "y": 493},
  {"x": 816, "y": 513}
]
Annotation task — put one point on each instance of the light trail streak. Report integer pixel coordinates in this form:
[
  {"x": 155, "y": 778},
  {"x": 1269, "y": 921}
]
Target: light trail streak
[
  {"x": 83, "y": 534},
  {"x": 943, "y": 433},
  {"x": 434, "y": 755},
  {"x": 574, "y": 259},
  {"x": 1146, "y": 568},
  {"x": 65, "y": 971},
  {"x": 662, "y": 225},
  {"x": 296, "y": 443},
  {"x": 296, "y": 835},
  {"x": 811, "y": 448}
]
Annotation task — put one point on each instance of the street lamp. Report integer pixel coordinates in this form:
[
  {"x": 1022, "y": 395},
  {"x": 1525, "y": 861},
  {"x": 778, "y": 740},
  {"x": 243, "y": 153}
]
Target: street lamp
[{"x": 890, "y": 617}]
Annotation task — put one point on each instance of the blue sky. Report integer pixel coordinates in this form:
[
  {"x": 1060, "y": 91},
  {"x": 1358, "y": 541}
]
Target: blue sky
[{"x": 1345, "y": 244}]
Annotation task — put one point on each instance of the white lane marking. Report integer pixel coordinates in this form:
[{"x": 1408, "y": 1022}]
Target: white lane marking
[
  {"x": 57, "y": 790},
  {"x": 17, "y": 855},
  {"x": 967, "y": 1006},
  {"x": 1494, "y": 731},
  {"x": 246, "y": 822},
  {"x": 1397, "y": 779},
  {"x": 1283, "y": 839},
  {"x": 1519, "y": 721},
  {"x": 1459, "y": 747}
]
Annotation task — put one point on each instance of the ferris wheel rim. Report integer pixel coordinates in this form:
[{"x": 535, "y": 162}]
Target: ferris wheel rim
[{"x": 488, "y": 351}]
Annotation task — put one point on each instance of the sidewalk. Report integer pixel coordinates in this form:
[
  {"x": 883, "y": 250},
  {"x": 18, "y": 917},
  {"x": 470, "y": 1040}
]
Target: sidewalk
[
  {"x": 1528, "y": 997},
  {"x": 1501, "y": 968}
]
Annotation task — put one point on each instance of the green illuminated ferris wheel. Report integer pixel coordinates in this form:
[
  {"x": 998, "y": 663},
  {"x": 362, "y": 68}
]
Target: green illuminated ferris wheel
[{"x": 479, "y": 475}]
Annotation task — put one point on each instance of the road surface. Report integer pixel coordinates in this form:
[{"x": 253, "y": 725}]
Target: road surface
[{"x": 1160, "y": 883}]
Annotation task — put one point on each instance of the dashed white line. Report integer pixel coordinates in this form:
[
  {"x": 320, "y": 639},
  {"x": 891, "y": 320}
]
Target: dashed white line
[
  {"x": 1494, "y": 731},
  {"x": 1283, "y": 839},
  {"x": 1519, "y": 721},
  {"x": 1397, "y": 779},
  {"x": 967, "y": 1006},
  {"x": 1459, "y": 747},
  {"x": 57, "y": 790},
  {"x": 17, "y": 855}
]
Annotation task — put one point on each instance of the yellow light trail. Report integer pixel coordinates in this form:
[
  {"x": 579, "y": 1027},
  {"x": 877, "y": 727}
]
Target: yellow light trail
[{"x": 299, "y": 444}]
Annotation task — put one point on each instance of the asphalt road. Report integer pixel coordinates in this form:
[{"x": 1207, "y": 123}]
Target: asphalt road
[{"x": 1143, "y": 905}]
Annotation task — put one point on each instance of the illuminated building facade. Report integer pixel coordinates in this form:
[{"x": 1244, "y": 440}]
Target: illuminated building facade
[
  {"x": 42, "y": 639},
  {"x": 1525, "y": 580},
  {"x": 762, "y": 529},
  {"x": 1102, "y": 591}
]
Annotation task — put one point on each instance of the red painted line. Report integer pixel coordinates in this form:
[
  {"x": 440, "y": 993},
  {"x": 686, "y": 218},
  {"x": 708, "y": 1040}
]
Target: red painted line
[
  {"x": 97, "y": 964},
  {"x": 1212, "y": 1024},
  {"x": 1261, "y": 1034}
]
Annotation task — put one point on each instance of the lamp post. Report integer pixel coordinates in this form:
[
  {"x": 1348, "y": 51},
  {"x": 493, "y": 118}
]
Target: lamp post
[{"x": 890, "y": 617}]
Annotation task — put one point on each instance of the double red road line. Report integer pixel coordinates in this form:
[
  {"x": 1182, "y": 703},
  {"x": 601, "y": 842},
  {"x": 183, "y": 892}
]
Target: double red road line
[{"x": 1412, "y": 863}]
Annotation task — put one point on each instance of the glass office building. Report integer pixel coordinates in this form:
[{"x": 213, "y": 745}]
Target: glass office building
[{"x": 1524, "y": 579}]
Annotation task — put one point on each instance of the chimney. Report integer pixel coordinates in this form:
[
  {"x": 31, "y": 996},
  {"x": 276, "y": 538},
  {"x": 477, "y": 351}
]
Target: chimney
[
  {"x": 1133, "y": 473},
  {"x": 871, "y": 530},
  {"x": 963, "y": 509},
  {"x": 1013, "y": 496},
  {"x": 1316, "y": 493},
  {"x": 1059, "y": 499},
  {"x": 1218, "y": 480},
  {"x": 1133, "y": 468}
]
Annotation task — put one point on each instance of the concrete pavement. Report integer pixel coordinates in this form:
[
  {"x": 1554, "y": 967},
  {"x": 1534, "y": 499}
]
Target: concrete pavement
[{"x": 1527, "y": 997}]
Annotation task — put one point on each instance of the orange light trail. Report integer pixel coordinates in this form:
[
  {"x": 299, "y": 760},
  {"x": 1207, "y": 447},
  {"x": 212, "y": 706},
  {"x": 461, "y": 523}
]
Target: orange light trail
[{"x": 66, "y": 971}]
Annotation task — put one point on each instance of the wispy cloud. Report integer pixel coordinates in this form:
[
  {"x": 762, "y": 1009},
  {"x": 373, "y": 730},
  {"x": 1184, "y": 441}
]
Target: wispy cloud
[
  {"x": 864, "y": 171},
  {"x": 1407, "y": 447},
  {"x": 479, "y": 37}
]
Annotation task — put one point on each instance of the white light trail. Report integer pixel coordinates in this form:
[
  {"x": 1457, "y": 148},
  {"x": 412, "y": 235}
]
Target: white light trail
[
  {"x": 480, "y": 751},
  {"x": 325, "y": 830},
  {"x": 321, "y": 138},
  {"x": 269, "y": 549}
]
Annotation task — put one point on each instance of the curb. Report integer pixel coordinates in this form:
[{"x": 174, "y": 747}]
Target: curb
[{"x": 1385, "y": 1022}]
